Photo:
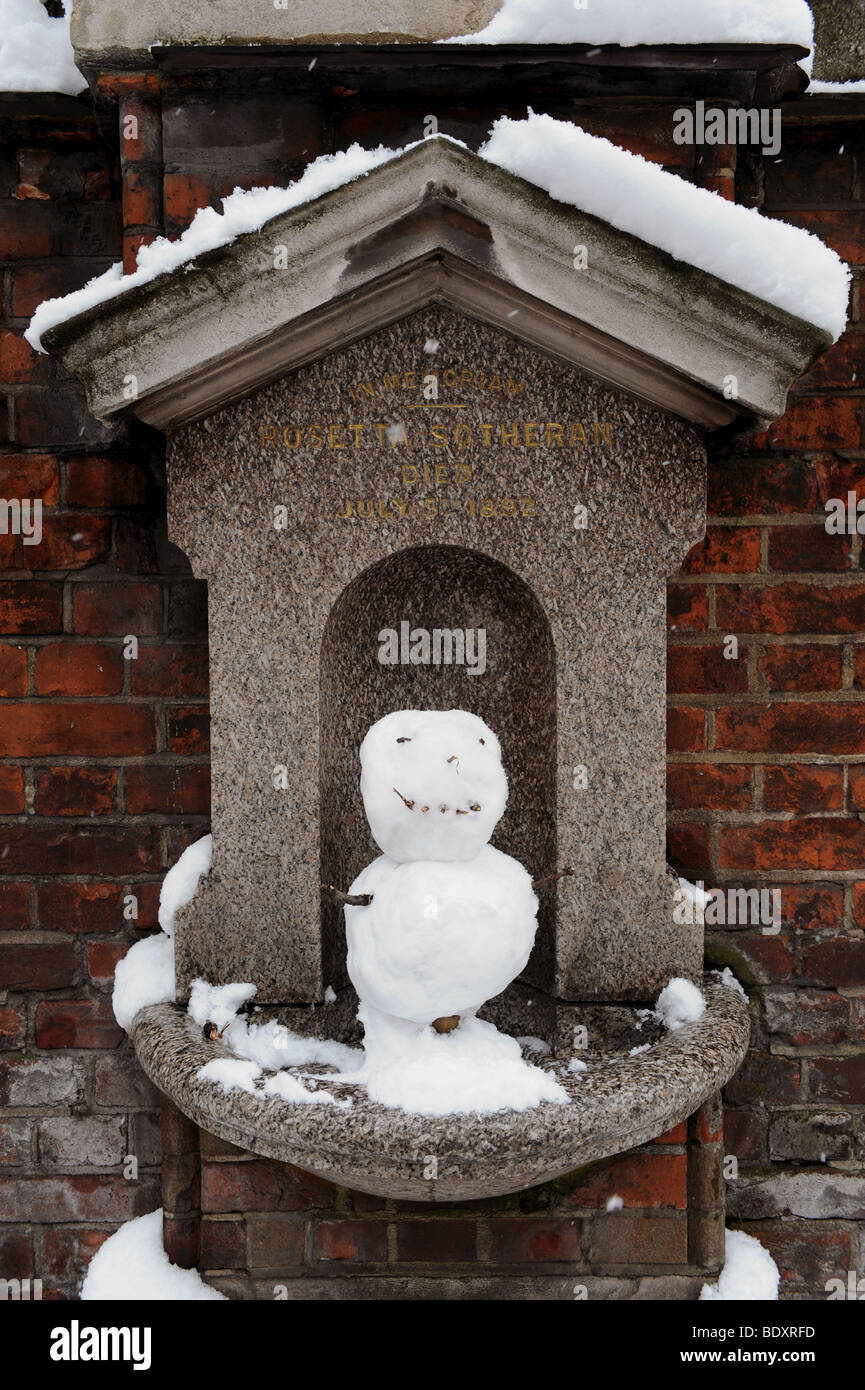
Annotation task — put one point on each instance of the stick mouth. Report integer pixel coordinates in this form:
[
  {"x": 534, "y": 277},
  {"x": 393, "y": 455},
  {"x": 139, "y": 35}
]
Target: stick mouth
[{"x": 473, "y": 808}]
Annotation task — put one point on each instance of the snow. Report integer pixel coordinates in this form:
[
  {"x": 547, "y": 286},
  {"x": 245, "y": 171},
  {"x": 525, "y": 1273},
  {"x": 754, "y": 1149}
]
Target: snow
[
  {"x": 749, "y": 1274},
  {"x": 782, "y": 264},
  {"x": 679, "y": 1003},
  {"x": 696, "y": 896},
  {"x": 851, "y": 88},
  {"x": 630, "y": 22},
  {"x": 473, "y": 1070},
  {"x": 614, "y": 1203},
  {"x": 269, "y": 1045},
  {"x": 785, "y": 265},
  {"x": 132, "y": 1265},
  {"x": 726, "y": 978},
  {"x": 35, "y": 51},
  {"x": 181, "y": 881},
  {"x": 231, "y": 1073},
  {"x": 643, "y": 1047},
  {"x": 576, "y": 1064},
  {"x": 144, "y": 976}
]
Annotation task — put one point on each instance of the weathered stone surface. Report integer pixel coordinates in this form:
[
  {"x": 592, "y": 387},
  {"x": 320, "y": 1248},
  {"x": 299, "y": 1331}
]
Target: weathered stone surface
[
  {"x": 42, "y": 1081},
  {"x": 463, "y": 517},
  {"x": 839, "y": 39},
  {"x": 616, "y": 1104},
  {"x": 82, "y": 1141},
  {"x": 816, "y": 1195},
  {"x": 811, "y": 1135}
]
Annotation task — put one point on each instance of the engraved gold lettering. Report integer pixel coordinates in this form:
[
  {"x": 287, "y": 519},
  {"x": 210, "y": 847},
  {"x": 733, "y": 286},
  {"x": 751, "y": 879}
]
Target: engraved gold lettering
[
  {"x": 578, "y": 435},
  {"x": 486, "y": 431},
  {"x": 532, "y": 434},
  {"x": 554, "y": 430},
  {"x": 360, "y": 508},
  {"x": 409, "y": 474},
  {"x": 357, "y": 430},
  {"x": 602, "y": 428},
  {"x": 268, "y": 434},
  {"x": 462, "y": 473},
  {"x": 316, "y": 436},
  {"x": 347, "y": 513},
  {"x": 462, "y": 436},
  {"x": 438, "y": 436},
  {"x": 441, "y": 472},
  {"x": 332, "y": 437},
  {"x": 510, "y": 435}
]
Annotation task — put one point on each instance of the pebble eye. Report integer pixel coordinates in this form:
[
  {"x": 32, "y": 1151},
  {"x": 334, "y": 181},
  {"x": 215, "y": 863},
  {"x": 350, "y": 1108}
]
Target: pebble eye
[
  {"x": 482, "y": 740},
  {"x": 408, "y": 740}
]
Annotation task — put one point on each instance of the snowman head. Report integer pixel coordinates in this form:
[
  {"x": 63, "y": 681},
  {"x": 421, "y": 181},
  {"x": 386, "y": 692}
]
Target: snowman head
[{"x": 433, "y": 784}]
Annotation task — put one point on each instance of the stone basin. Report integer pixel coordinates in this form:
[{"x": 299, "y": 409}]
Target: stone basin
[{"x": 617, "y": 1103}]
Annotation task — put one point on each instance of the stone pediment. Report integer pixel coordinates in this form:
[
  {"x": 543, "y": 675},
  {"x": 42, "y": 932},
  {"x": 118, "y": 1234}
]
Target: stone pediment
[{"x": 436, "y": 224}]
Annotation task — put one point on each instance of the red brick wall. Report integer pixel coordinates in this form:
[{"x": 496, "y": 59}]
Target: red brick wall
[{"x": 103, "y": 774}]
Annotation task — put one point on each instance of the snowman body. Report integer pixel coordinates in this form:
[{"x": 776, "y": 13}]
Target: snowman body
[{"x": 452, "y": 920}]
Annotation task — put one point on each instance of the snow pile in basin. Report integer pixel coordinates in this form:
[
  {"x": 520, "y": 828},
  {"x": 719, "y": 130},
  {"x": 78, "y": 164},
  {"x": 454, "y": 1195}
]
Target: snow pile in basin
[
  {"x": 132, "y": 1264},
  {"x": 145, "y": 975},
  {"x": 679, "y": 1003},
  {"x": 629, "y": 22},
  {"x": 749, "y": 1274},
  {"x": 35, "y": 51},
  {"x": 782, "y": 264},
  {"x": 244, "y": 210}
]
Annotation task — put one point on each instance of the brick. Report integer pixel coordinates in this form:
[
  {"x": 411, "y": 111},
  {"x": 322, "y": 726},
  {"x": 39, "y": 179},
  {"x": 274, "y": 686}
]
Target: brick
[
  {"x": 261, "y": 1186},
  {"x": 115, "y": 609},
  {"x": 769, "y": 958},
  {"x": 80, "y": 907},
  {"x": 19, "y": 364},
  {"x": 223, "y": 1244},
  {"x": 274, "y": 1242},
  {"x": 686, "y": 729},
  {"x": 13, "y": 1026},
  {"x": 14, "y": 907},
  {"x": 808, "y": 906},
  {"x": 102, "y": 958},
  {"x": 837, "y": 364},
  {"x": 146, "y": 1139},
  {"x": 705, "y": 671},
  {"x": 859, "y": 668},
  {"x": 25, "y": 231},
  {"x": 635, "y": 1237},
  {"x": 687, "y": 607},
  {"x": 72, "y": 850},
  {"x": 809, "y": 1257},
  {"x": 51, "y": 417},
  {"x": 29, "y": 606},
  {"x": 765, "y": 1080},
  {"x": 187, "y": 610},
  {"x": 16, "y": 1254},
  {"x": 98, "y": 481},
  {"x": 188, "y": 729},
  {"x": 60, "y": 276},
  {"x": 86, "y": 730},
  {"x": 86, "y": 1023},
  {"x": 179, "y": 672},
  {"x": 85, "y": 1197},
  {"x": 688, "y": 848},
  {"x": 11, "y": 790},
  {"x": 356, "y": 1241},
  {"x": 82, "y": 1141},
  {"x": 119, "y": 1081},
  {"x": 791, "y": 788},
  {"x": 840, "y": 1079},
  {"x": 42, "y": 1081},
  {"x": 183, "y": 195},
  {"x": 744, "y": 486},
  {"x": 13, "y": 670},
  {"x": 800, "y": 667},
  {"x": 815, "y": 422},
  {"x": 15, "y": 1141},
  {"x": 804, "y": 844},
  {"x": 839, "y": 961},
  {"x": 75, "y": 791},
  {"x": 677, "y": 1135},
  {"x": 807, "y": 1018},
  {"x": 168, "y": 789},
  {"x": 743, "y": 1135},
  {"x": 37, "y": 967},
  {"x": 641, "y": 1180},
  {"x": 30, "y": 475},
  {"x": 757, "y": 1197},
  {"x": 842, "y": 230},
  {"x": 533, "y": 1240},
  {"x": 793, "y": 607},
  {"x": 68, "y": 1251},
  {"x": 79, "y": 668},
  {"x": 437, "y": 1241},
  {"x": 69, "y": 542},
  {"x": 795, "y": 726},
  {"x": 704, "y": 786},
  {"x": 725, "y": 550},
  {"x": 811, "y": 1136},
  {"x": 856, "y": 787},
  {"x": 859, "y": 904},
  {"x": 800, "y": 548}
]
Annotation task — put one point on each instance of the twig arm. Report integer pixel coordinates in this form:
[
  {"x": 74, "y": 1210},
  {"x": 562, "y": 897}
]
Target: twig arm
[
  {"x": 348, "y": 899},
  {"x": 552, "y": 878}
]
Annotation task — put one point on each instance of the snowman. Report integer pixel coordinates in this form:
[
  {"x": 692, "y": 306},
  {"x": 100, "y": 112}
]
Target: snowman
[{"x": 441, "y": 921}]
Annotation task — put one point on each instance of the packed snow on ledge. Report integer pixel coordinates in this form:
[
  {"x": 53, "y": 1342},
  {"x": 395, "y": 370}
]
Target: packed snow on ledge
[
  {"x": 630, "y": 22},
  {"x": 749, "y": 1274},
  {"x": 35, "y": 52},
  {"x": 475, "y": 1069},
  {"x": 132, "y": 1264},
  {"x": 784, "y": 265}
]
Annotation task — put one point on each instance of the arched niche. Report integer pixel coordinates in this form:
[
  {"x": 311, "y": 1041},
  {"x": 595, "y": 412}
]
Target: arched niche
[{"x": 445, "y": 587}]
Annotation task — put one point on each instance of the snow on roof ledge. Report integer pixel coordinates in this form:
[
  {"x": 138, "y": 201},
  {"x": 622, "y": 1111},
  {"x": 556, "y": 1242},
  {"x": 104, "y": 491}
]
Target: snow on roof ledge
[
  {"x": 632, "y": 22},
  {"x": 732, "y": 302}
]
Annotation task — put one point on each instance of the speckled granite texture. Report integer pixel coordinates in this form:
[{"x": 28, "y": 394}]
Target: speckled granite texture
[{"x": 451, "y": 513}]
